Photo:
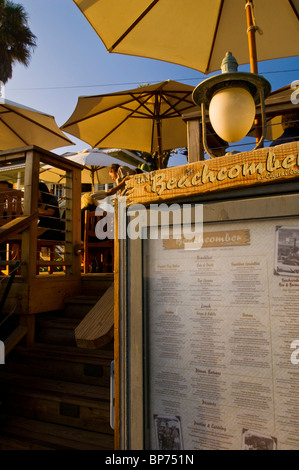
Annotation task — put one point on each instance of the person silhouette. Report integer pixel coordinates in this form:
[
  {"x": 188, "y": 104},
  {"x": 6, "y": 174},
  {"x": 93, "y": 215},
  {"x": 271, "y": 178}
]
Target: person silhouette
[{"x": 290, "y": 125}]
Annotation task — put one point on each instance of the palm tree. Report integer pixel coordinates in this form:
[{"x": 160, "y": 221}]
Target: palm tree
[{"x": 16, "y": 39}]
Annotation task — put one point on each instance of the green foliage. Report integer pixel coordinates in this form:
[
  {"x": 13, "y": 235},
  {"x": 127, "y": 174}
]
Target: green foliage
[
  {"x": 16, "y": 39},
  {"x": 153, "y": 159}
]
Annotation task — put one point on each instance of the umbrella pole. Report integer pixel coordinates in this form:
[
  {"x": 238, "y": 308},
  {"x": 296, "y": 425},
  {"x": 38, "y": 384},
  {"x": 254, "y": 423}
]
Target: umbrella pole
[
  {"x": 159, "y": 138},
  {"x": 158, "y": 126},
  {"x": 92, "y": 179},
  {"x": 251, "y": 31}
]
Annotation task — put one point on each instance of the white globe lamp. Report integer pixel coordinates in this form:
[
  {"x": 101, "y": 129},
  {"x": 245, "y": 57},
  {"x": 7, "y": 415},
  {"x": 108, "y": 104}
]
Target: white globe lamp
[{"x": 231, "y": 113}]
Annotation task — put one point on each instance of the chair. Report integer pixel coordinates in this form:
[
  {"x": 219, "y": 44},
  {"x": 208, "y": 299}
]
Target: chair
[
  {"x": 51, "y": 247},
  {"x": 11, "y": 208},
  {"x": 10, "y": 205},
  {"x": 97, "y": 254}
]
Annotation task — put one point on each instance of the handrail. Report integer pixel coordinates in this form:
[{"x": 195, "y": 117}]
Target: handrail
[
  {"x": 16, "y": 226},
  {"x": 7, "y": 288}
]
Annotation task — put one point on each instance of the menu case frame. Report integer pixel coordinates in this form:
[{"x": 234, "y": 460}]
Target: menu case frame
[{"x": 278, "y": 202}]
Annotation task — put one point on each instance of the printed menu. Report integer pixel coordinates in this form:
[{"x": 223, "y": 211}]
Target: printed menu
[{"x": 222, "y": 320}]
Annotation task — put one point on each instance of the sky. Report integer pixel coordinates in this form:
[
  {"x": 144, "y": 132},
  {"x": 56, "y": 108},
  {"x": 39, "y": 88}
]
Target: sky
[{"x": 70, "y": 61}]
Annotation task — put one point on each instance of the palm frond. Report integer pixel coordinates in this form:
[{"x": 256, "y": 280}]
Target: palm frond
[{"x": 16, "y": 39}]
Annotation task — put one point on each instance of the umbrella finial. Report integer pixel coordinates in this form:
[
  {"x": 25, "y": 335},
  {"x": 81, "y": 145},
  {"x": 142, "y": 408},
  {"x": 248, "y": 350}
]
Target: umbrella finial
[{"x": 229, "y": 63}]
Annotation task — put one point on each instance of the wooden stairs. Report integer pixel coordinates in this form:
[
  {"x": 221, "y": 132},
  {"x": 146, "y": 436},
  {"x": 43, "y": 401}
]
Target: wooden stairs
[{"x": 54, "y": 395}]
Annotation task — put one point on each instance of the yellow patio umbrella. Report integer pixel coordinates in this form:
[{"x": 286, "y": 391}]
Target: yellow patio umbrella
[
  {"x": 146, "y": 119},
  {"x": 197, "y": 33},
  {"x": 100, "y": 175},
  {"x": 21, "y": 126}
]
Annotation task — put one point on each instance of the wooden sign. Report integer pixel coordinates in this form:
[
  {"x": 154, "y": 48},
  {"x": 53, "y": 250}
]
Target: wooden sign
[
  {"x": 263, "y": 166},
  {"x": 212, "y": 239}
]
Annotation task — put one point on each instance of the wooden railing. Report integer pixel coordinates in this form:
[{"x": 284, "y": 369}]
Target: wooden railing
[{"x": 25, "y": 231}]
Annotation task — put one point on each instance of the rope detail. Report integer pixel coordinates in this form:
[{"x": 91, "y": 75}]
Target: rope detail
[{"x": 254, "y": 27}]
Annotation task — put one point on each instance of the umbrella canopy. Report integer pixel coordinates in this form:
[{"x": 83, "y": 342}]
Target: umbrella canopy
[
  {"x": 195, "y": 33},
  {"x": 95, "y": 163},
  {"x": 100, "y": 158},
  {"x": 147, "y": 118},
  {"x": 21, "y": 126}
]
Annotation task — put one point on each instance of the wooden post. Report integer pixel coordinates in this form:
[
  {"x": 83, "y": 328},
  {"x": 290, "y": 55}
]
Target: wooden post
[
  {"x": 73, "y": 221},
  {"x": 116, "y": 335},
  {"x": 28, "y": 321},
  {"x": 29, "y": 237},
  {"x": 194, "y": 136},
  {"x": 195, "y": 147}
]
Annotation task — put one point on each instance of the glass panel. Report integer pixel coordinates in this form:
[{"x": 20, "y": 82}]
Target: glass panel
[{"x": 220, "y": 325}]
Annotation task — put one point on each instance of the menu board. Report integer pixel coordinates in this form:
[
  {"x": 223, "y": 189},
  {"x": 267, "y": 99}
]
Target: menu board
[{"x": 222, "y": 322}]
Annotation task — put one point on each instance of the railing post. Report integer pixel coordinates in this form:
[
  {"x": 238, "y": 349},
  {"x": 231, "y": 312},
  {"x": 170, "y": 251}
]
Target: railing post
[
  {"x": 73, "y": 221},
  {"x": 29, "y": 237}
]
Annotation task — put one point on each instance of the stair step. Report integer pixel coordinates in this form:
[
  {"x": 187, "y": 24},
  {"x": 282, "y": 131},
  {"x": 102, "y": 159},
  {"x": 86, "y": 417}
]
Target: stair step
[
  {"x": 79, "y": 306},
  {"x": 53, "y": 329},
  {"x": 10, "y": 442},
  {"x": 54, "y": 395},
  {"x": 92, "y": 284},
  {"x": 65, "y": 352},
  {"x": 28, "y": 434},
  {"x": 77, "y": 405},
  {"x": 37, "y": 385},
  {"x": 64, "y": 363}
]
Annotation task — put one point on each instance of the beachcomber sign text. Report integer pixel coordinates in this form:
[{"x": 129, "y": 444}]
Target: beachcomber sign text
[{"x": 274, "y": 164}]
